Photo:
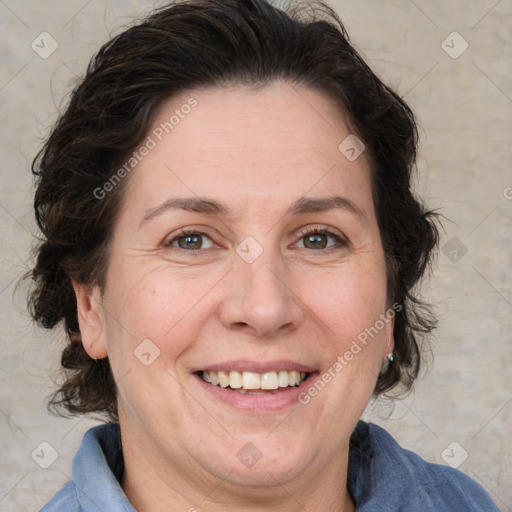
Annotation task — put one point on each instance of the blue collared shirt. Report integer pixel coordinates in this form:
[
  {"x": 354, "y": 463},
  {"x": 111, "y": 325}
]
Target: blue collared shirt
[{"x": 382, "y": 477}]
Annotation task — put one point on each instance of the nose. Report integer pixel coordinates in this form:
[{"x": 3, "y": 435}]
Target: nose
[{"x": 260, "y": 299}]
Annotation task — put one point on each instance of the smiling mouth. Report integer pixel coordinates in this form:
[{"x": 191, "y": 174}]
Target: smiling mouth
[{"x": 252, "y": 383}]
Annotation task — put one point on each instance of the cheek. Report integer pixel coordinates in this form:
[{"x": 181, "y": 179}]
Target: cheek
[
  {"x": 153, "y": 319},
  {"x": 155, "y": 303},
  {"x": 348, "y": 300}
]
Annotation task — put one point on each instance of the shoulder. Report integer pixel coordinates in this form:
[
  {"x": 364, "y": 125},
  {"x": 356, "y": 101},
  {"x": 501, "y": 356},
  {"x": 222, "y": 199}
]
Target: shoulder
[
  {"x": 380, "y": 469},
  {"x": 97, "y": 468},
  {"x": 64, "y": 501}
]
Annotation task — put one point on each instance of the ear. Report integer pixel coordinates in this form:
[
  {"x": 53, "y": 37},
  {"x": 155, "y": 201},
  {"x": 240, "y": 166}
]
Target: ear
[{"x": 91, "y": 319}]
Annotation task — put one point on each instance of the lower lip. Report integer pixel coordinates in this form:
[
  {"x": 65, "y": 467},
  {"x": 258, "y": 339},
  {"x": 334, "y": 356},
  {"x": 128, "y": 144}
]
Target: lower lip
[{"x": 258, "y": 403}]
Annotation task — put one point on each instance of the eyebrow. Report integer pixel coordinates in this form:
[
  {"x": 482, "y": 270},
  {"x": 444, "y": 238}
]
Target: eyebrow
[{"x": 214, "y": 208}]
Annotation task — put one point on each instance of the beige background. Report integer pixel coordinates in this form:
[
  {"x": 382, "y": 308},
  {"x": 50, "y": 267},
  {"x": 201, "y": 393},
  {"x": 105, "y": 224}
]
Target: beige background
[{"x": 464, "y": 106}]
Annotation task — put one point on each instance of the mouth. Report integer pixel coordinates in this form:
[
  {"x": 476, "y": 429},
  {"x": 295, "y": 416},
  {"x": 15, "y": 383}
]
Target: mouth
[
  {"x": 254, "y": 386},
  {"x": 254, "y": 383}
]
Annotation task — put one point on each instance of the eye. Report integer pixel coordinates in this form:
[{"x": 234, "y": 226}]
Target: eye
[
  {"x": 190, "y": 240},
  {"x": 320, "y": 238},
  {"x": 316, "y": 238}
]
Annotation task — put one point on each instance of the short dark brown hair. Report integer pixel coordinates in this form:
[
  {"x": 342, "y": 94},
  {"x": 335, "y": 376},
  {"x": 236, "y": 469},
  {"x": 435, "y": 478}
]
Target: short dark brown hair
[{"x": 213, "y": 43}]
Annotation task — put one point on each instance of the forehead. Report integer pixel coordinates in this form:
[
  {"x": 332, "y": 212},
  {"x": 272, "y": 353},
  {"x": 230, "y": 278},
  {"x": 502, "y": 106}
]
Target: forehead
[
  {"x": 251, "y": 147},
  {"x": 280, "y": 114}
]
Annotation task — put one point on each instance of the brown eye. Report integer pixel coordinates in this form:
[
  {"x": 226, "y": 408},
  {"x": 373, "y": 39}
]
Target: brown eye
[
  {"x": 190, "y": 241},
  {"x": 317, "y": 239}
]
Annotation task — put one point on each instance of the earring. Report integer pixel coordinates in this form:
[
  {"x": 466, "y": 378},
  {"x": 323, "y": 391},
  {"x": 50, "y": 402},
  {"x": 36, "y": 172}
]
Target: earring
[{"x": 390, "y": 357}]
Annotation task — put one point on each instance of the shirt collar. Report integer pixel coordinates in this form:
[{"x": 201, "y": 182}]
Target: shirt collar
[{"x": 381, "y": 475}]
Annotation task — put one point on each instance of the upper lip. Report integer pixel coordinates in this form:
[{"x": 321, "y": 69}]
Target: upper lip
[{"x": 256, "y": 366}]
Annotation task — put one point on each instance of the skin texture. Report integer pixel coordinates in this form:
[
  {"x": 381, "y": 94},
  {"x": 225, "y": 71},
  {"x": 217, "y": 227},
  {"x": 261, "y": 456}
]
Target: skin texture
[{"x": 256, "y": 152}]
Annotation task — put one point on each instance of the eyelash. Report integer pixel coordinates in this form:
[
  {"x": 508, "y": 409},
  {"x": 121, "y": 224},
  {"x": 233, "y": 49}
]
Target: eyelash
[{"x": 340, "y": 241}]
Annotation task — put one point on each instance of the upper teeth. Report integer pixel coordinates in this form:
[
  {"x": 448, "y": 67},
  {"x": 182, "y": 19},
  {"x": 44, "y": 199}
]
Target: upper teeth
[{"x": 253, "y": 380}]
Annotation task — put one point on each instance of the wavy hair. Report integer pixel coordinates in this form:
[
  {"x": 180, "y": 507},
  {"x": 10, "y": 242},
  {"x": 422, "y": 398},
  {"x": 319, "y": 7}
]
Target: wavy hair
[{"x": 213, "y": 43}]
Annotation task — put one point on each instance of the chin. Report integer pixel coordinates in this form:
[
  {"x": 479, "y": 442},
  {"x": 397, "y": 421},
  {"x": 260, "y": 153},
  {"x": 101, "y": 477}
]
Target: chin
[
  {"x": 264, "y": 475},
  {"x": 259, "y": 464}
]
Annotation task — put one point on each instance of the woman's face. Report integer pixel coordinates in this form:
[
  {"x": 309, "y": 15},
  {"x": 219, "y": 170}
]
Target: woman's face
[{"x": 279, "y": 270}]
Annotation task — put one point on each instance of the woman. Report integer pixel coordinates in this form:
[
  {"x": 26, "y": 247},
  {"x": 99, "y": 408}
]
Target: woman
[{"x": 232, "y": 244}]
